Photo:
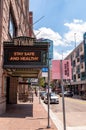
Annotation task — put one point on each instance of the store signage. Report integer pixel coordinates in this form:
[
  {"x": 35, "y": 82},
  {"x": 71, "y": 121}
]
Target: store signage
[
  {"x": 18, "y": 55},
  {"x": 44, "y": 69},
  {"x": 31, "y": 56},
  {"x": 23, "y": 41}
]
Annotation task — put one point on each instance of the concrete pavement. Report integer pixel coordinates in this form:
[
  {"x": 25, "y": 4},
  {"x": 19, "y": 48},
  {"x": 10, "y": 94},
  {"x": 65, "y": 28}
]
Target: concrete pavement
[
  {"x": 73, "y": 122},
  {"x": 26, "y": 116}
]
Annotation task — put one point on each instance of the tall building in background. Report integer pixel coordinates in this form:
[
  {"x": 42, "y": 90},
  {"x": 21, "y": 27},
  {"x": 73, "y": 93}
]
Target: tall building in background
[
  {"x": 45, "y": 70},
  {"x": 50, "y": 49},
  {"x": 78, "y": 62}
]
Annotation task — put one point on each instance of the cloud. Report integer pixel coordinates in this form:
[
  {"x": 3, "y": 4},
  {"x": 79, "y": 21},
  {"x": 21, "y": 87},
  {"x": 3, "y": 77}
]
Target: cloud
[
  {"x": 76, "y": 29},
  {"x": 57, "y": 55},
  {"x": 66, "y": 53},
  {"x": 48, "y": 33},
  {"x": 66, "y": 42},
  {"x": 62, "y": 55}
]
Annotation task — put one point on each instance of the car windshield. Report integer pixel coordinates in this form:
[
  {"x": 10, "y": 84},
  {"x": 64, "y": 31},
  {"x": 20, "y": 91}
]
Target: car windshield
[
  {"x": 42, "y": 92},
  {"x": 69, "y": 92},
  {"x": 65, "y": 92},
  {"x": 53, "y": 94}
]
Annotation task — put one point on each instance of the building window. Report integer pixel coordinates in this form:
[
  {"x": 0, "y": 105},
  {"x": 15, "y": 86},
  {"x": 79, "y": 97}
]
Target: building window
[
  {"x": 74, "y": 77},
  {"x": 78, "y": 59},
  {"x": 82, "y": 58},
  {"x": 71, "y": 57},
  {"x": 77, "y": 53},
  {"x": 78, "y": 76},
  {"x": 12, "y": 25},
  {"x": 81, "y": 66},
  {"x": 78, "y": 69},
  {"x": 74, "y": 63},
  {"x": 83, "y": 74}
]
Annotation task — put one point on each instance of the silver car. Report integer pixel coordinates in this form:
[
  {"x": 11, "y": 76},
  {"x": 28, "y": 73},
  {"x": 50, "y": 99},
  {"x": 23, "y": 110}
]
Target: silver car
[
  {"x": 53, "y": 98},
  {"x": 42, "y": 95}
]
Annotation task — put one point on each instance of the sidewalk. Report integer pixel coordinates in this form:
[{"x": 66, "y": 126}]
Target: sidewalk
[
  {"x": 26, "y": 116},
  {"x": 42, "y": 115}
]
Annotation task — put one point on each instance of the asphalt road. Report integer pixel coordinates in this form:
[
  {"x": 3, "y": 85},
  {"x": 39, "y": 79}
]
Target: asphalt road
[{"x": 75, "y": 112}]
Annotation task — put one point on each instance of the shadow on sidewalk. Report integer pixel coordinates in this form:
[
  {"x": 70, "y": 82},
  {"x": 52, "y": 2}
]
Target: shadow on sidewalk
[{"x": 18, "y": 111}]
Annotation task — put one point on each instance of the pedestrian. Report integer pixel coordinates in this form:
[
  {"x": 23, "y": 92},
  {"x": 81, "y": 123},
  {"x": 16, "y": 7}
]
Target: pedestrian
[{"x": 36, "y": 92}]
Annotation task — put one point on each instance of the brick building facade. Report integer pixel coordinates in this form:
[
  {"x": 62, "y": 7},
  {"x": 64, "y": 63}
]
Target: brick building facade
[{"x": 14, "y": 22}]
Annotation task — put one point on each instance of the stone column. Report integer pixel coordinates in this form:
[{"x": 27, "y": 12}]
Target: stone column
[
  {"x": 13, "y": 90},
  {"x": 2, "y": 92}
]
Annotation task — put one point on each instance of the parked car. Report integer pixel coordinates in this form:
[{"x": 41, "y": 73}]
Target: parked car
[
  {"x": 83, "y": 96},
  {"x": 41, "y": 92},
  {"x": 53, "y": 98},
  {"x": 66, "y": 94},
  {"x": 42, "y": 95}
]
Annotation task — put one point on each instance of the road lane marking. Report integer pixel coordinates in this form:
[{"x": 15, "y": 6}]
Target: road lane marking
[
  {"x": 76, "y": 100},
  {"x": 76, "y": 128},
  {"x": 58, "y": 123}
]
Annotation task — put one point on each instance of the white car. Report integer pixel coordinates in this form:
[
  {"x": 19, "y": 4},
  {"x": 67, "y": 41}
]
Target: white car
[{"x": 53, "y": 98}]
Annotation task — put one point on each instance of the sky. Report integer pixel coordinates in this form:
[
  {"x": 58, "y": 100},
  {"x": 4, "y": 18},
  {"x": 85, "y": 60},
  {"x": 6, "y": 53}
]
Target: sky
[{"x": 62, "y": 21}]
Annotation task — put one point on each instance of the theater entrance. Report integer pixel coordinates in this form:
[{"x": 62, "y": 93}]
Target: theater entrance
[{"x": 22, "y": 60}]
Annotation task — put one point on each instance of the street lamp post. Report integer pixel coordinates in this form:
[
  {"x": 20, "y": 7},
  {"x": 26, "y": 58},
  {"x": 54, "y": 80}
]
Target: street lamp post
[
  {"x": 63, "y": 102},
  {"x": 48, "y": 91}
]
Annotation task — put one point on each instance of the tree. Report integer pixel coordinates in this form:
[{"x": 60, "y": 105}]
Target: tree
[{"x": 41, "y": 82}]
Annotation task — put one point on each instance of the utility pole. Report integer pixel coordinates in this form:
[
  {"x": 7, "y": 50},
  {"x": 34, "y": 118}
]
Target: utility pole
[{"x": 75, "y": 39}]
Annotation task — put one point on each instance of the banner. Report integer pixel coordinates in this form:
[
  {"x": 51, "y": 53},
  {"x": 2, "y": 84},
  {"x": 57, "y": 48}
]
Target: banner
[{"x": 65, "y": 69}]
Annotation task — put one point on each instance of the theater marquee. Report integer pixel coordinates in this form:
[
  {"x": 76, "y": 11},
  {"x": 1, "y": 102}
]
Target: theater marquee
[{"x": 25, "y": 56}]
